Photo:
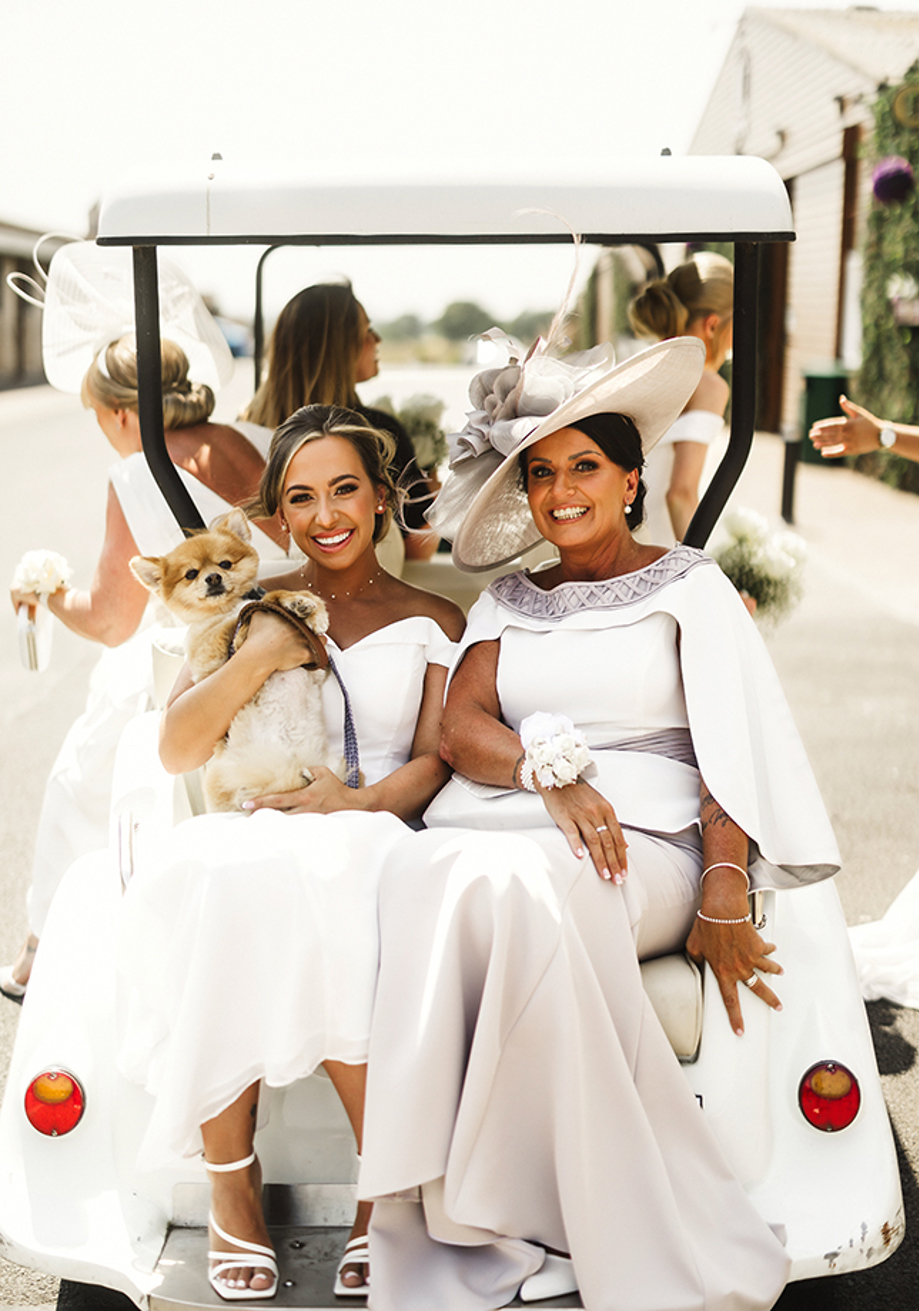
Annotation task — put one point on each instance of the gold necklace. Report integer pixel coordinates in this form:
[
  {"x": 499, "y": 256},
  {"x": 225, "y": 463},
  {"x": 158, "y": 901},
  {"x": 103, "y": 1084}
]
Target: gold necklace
[{"x": 336, "y": 596}]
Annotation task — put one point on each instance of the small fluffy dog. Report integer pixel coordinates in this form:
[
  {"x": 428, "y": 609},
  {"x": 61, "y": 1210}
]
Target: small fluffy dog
[{"x": 277, "y": 736}]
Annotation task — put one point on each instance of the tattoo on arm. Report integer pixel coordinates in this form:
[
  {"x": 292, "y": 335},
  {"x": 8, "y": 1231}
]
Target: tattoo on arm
[
  {"x": 515, "y": 772},
  {"x": 712, "y": 814}
]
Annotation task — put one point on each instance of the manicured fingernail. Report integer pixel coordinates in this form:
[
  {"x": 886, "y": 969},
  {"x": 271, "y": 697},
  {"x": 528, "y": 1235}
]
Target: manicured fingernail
[
  {"x": 780, "y": 1007},
  {"x": 619, "y": 878},
  {"x": 739, "y": 1032},
  {"x": 580, "y": 853},
  {"x": 248, "y": 805},
  {"x": 605, "y": 874}
]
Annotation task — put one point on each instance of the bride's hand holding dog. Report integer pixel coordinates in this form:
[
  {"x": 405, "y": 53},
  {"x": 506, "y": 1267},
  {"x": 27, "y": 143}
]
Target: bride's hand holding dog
[
  {"x": 198, "y": 715},
  {"x": 325, "y": 795}
]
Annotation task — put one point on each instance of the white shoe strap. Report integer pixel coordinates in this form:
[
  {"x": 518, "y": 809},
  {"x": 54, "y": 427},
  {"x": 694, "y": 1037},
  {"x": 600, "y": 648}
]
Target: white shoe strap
[{"x": 231, "y": 1165}]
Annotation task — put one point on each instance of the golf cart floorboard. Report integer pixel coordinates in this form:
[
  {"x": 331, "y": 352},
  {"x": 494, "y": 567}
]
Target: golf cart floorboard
[{"x": 307, "y": 1257}]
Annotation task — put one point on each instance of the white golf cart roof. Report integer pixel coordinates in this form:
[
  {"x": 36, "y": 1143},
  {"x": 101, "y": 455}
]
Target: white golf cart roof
[
  {"x": 665, "y": 198},
  {"x": 739, "y": 199}
]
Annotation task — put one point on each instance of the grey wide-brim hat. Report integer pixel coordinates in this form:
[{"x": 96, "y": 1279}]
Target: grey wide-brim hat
[{"x": 483, "y": 507}]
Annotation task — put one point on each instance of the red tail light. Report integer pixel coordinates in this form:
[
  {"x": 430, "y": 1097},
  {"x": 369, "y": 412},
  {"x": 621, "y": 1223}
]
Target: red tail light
[
  {"x": 54, "y": 1102},
  {"x": 829, "y": 1096}
]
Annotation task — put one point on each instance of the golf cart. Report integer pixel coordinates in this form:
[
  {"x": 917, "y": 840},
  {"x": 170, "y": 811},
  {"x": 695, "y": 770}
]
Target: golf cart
[{"x": 796, "y": 1106}]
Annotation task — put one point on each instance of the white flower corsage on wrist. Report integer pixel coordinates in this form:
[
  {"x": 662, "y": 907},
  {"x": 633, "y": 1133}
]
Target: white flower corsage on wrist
[
  {"x": 555, "y": 752},
  {"x": 42, "y": 572}
]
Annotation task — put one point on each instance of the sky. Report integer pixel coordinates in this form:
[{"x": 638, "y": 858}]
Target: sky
[{"x": 96, "y": 94}]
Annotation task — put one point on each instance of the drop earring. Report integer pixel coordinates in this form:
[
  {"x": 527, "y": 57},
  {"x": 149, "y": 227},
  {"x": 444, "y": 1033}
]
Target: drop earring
[{"x": 628, "y": 507}]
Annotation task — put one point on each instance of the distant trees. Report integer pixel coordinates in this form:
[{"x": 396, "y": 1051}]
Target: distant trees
[{"x": 463, "y": 319}]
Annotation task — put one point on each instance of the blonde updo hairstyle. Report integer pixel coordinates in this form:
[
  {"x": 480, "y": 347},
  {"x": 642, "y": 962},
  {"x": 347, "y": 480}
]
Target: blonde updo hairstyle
[
  {"x": 308, "y": 424},
  {"x": 111, "y": 381},
  {"x": 669, "y": 306}
]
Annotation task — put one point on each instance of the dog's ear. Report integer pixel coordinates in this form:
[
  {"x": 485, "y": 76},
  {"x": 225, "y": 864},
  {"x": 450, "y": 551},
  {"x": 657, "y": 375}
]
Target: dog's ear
[
  {"x": 149, "y": 570},
  {"x": 234, "y": 521}
]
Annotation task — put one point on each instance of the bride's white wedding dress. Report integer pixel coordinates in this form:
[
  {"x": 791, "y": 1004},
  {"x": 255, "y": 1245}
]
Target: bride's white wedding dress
[{"x": 249, "y": 943}]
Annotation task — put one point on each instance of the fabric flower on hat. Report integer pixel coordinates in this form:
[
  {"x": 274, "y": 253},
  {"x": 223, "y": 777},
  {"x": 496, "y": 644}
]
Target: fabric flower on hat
[{"x": 508, "y": 400}]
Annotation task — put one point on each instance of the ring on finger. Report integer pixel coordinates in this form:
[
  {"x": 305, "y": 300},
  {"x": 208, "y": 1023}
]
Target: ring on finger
[
  {"x": 603, "y": 828},
  {"x": 751, "y": 982}
]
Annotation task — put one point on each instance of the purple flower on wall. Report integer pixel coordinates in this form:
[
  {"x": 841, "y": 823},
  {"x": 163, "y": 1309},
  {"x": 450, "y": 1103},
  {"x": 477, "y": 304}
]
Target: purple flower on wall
[{"x": 892, "y": 179}]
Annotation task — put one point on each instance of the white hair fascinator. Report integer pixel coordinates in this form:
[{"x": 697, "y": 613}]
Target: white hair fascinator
[
  {"x": 88, "y": 302},
  {"x": 483, "y": 508}
]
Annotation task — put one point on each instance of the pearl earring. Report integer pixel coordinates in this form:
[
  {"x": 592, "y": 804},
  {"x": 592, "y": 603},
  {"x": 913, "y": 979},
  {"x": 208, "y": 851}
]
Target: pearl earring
[{"x": 628, "y": 507}]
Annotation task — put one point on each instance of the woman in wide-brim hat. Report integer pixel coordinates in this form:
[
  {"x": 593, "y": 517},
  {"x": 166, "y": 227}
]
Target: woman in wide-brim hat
[{"x": 626, "y": 769}]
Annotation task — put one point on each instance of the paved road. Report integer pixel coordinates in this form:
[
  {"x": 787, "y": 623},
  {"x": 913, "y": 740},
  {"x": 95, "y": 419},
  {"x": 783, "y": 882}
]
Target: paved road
[{"x": 849, "y": 658}]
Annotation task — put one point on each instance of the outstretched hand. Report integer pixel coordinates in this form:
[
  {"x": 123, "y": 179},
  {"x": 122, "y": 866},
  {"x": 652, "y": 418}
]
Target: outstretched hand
[
  {"x": 852, "y": 433},
  {"x": 588, "y": 820},
  {"x": 735, "y": 952}
]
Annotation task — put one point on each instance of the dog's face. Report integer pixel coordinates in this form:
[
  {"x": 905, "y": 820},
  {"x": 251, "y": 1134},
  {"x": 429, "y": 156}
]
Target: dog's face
[{"x": 206, "y": 574}]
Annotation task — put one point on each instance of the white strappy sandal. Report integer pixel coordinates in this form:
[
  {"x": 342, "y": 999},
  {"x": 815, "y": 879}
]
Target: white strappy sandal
[
  {"x": 357, "y": 1252},
  {"x": 252, "y": 1256}
]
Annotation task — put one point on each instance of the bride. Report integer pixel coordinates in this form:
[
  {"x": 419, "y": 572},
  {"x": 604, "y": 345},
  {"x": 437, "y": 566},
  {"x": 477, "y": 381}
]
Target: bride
[{"x": 249, "y": 943}]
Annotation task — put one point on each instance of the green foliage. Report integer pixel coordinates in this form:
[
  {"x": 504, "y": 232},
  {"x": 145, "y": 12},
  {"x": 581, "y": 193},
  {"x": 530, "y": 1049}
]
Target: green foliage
[
  {"x": 462, "y": 319},
  {"x": 529, "y": 324},
  {"x": 405, "y": 328},
  {"x": 889, "y": 376}
]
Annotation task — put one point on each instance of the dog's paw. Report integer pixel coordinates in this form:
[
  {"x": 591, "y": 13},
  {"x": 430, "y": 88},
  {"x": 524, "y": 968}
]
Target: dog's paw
[{"x": 306, "y": 606}]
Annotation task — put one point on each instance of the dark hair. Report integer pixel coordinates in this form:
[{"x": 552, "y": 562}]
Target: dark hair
[
  {"x": 374, "y": 447},
  {"x": 620, "y": 441}
]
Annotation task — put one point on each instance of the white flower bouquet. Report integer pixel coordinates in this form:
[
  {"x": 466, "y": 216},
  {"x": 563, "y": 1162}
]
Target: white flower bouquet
[
  {"x": 42, "y": 572},
  {"x": 420, "y": 417},
  {"x": 767, "y": 564}
]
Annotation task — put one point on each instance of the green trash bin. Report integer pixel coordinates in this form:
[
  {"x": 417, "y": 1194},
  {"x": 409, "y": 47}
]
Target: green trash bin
[{"x": 820, "y": 400}]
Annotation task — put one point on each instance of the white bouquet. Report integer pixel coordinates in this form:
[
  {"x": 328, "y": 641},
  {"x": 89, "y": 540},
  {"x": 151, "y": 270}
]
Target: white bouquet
[
  {"x": 420, "y": 417},
  {"x": 766, "y": 564},
  {"x": 42, "y": 572}
]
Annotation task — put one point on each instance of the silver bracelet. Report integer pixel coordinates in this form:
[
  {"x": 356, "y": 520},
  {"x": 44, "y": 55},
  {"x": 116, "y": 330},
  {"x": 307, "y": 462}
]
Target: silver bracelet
[
  {"x": 726, "y": 864},
  {"x": 710, "y": 919}
]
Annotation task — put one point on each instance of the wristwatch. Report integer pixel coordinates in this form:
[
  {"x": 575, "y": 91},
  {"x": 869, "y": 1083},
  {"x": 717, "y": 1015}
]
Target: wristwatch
[{"x": 887, "y": 437}]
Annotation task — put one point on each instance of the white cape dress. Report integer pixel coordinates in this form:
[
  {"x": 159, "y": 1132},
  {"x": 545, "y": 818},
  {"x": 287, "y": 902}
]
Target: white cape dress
[{"x": 521, "y": 1092}]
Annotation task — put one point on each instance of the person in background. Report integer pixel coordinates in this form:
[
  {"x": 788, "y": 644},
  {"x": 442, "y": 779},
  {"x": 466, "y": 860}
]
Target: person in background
[
  {"x": 323, "y": 345},
  {"x": 221, "y": 466},
  {"x": 857, "y": 431},
  {"x": 697, "y": 300}
]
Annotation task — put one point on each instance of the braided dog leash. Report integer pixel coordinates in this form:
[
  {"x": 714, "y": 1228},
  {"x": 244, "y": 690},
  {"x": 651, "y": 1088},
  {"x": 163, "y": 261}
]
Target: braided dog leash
[{"x": 320, "y": 659}]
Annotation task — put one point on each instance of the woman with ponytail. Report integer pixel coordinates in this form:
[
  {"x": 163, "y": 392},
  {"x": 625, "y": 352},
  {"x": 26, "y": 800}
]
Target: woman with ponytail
[{"x": 695, "y": 300}]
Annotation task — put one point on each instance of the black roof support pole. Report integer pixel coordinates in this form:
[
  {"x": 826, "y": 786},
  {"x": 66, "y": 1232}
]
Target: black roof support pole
[
  {"x": 150, "y": 393},
  {"x": 258, "y": 323},
  {"x": 743, "y": 396}
]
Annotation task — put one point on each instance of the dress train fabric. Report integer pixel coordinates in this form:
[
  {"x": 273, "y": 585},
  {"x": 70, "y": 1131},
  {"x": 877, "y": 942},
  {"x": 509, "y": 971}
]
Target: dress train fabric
[{"x": 887, "y": 951}]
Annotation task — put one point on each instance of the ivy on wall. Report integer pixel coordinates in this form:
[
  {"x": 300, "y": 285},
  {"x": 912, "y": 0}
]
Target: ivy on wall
[{"x": 889, "y": 377}]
